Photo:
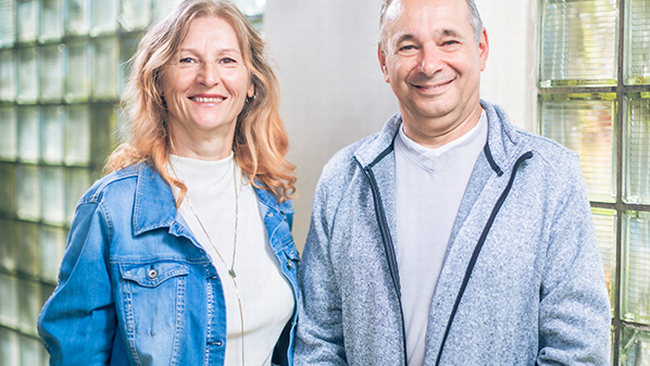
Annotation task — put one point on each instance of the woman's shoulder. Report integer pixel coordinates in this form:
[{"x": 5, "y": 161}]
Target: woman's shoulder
[{"x": 118, "y": 182}]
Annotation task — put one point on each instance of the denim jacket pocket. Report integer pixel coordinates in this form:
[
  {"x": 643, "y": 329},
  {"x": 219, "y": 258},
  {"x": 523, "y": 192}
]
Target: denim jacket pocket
[{"x": 153, "y": 305}]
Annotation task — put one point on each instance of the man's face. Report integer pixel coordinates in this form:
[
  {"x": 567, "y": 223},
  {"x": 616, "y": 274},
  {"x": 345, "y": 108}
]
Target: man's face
[{"x": 433, "y": 63}]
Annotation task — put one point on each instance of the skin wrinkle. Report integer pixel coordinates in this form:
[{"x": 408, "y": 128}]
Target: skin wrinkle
[{"x": 433, "y": 64}]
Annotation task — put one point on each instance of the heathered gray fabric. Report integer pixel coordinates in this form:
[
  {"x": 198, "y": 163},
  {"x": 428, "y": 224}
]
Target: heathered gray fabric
[{"x": 536, "y": 296}]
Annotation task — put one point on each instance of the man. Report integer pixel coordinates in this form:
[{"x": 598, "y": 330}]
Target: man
[{"x": 450, "y": 237}]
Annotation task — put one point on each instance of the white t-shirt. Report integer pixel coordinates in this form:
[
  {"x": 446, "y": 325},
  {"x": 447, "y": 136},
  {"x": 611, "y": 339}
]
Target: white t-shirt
[
  {"x": 266, "y": 295},
  {"x": 430, "y": 184}
]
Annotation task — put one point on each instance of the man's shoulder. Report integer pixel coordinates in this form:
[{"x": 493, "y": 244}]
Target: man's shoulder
[
  {"x": 362, "y": 152},
  {"x": 517, "y": 139}
]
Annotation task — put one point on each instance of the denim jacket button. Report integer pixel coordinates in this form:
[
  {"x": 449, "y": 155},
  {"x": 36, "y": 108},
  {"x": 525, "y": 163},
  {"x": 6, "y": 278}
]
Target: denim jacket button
[
  {"x": 152, "y": 274},
  {"x": 218, "y": 343},
  {"x": 290, "y": 265}
]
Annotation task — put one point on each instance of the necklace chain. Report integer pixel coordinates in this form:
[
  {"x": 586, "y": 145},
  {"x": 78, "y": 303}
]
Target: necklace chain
[{"x": 231, "y": 269}]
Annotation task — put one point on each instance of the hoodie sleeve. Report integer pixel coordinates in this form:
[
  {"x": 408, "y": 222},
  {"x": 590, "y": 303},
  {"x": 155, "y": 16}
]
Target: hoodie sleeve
[
  {"x": 575, "y": 315},
  {"x": 319, "y": 339}
]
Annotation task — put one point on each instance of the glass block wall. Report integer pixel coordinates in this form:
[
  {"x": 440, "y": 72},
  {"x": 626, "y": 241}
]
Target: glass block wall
[
  {"x": 62, "y": 68},
  {"x": 602, "y": 111}
]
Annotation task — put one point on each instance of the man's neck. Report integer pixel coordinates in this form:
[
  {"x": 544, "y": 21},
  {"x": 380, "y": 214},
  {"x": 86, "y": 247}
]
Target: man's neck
[{"x": 429, "y": 133}]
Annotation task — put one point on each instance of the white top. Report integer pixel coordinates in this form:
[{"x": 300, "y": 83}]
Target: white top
[
  {"x": 266, "y": 295},
  {"x": 430, "y": 184}
]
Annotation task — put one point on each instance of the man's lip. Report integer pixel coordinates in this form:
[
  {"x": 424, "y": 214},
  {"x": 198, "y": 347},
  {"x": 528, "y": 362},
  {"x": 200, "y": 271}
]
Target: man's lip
[{"x": 433, "y": 87}]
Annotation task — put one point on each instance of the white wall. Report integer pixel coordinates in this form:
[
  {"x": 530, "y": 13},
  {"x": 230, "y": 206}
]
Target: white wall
[{"x": 333, "y": 92}]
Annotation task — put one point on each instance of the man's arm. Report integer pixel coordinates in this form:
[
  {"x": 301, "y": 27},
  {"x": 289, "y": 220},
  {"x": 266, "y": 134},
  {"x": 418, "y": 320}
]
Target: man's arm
[
  {"x": 575, "y": 315},
  {"x": 319, "y": 337}
]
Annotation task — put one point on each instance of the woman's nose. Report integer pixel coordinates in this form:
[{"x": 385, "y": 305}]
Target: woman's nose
[{"x": 208, "y": 74}]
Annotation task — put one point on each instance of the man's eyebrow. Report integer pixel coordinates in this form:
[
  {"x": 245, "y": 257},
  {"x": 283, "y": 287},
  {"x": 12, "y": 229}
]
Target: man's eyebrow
[{"x": 450, "y": 33}]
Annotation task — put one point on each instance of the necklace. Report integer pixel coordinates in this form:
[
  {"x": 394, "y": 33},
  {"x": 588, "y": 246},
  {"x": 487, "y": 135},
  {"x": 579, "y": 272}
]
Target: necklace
[{"x": 231, "y": 269}]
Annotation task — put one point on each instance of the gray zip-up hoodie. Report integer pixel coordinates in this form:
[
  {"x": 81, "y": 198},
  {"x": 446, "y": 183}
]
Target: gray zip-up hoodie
[{"x": 522, "y": 281}]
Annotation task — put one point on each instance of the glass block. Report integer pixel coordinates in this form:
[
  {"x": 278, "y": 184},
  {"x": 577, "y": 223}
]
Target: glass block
[
  {"x": 104, "y": 16},
  {"x": 8, "y": 133},
  {"x": 122, "y": 132},
  {"x": 51, "y": 74},
  {"x": 52, "y": 195},
  {"x": 7, "y": 22},
  {"x": 104, "y": 138},
  {"x": 27, "y": 75},
  {"x": 27, "y": 20},
  {"x": 578, "y": 42},
  {"x": 128, "y": 46},
  {"x": 28, "y": 250},
  {"x": 77, "y": 183},
  {"x": 9, "y": 347},
  {"x": 635, "y": 347},
  {"x": 8, "y": 189},
  {"x": 637, "y": 42},
  {"x": 31, "y": 351},
  {"x": 162, "y": 8},
  {"x": 28, "y": 134},
  {"x": 77, "y": 19},
  {"x": 52, "y": 134},
  {"x": 29, "y": 302},
  {"x": 52, "y": 242},
  {"x": 105, "y": 60},
  {"x": 636, "y": 166},
  {"x": 77, "y": 135},
  {"x": 9, "y": 303},
  {"x": 28, "y": 192},
  {"x": 584, "y": 124},
  {"x": 7, "y": 246},
  {"x": 77, "y": 81},
  {"x": 605, "y": 224},
  {"x": 51, "y": 20},
  {"x": 635, "y": 304},
  {"x": 7, "y": 76},
  {"x": 135, "y": 14}
]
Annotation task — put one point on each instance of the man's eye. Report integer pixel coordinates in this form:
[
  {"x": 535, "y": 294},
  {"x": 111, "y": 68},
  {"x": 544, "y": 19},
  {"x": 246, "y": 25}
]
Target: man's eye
[{"x": 407, "y": 48}]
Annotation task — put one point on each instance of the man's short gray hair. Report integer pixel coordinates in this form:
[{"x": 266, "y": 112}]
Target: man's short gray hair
[{"x": 474, "y": 18}]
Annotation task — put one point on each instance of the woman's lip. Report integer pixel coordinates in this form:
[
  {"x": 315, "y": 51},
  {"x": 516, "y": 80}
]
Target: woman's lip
[{"x": 207, "y": 99}]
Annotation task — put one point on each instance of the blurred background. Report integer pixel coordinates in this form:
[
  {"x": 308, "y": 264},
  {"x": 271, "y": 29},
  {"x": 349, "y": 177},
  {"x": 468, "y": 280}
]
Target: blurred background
[{"x": 576, "y": 71}]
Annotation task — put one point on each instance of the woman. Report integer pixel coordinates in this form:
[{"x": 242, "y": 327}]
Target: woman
[{"x": 183, "y": 254}]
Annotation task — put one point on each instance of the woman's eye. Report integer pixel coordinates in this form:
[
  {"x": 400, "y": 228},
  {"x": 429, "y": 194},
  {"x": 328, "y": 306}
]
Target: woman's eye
[
  {"x": 186, "y": 60},
  {"x": 228, "y": 60}
]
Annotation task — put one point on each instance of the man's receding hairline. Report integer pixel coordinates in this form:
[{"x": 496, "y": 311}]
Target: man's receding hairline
[{"x": 474, "y": 20}]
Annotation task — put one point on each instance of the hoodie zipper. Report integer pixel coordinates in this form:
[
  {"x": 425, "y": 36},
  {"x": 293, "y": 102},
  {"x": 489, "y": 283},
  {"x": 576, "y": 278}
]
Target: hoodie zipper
[
  {"x": 389, "y": 249},
  {"x": 481, "y": 241}
]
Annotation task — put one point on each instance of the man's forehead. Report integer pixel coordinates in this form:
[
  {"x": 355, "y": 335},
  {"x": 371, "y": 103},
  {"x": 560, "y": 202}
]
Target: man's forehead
[{"x": 400, "y": 16}]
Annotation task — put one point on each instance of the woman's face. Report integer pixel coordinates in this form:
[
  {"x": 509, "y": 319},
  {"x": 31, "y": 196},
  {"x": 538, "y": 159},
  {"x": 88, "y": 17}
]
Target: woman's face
[{"x": 206, "y": 85}]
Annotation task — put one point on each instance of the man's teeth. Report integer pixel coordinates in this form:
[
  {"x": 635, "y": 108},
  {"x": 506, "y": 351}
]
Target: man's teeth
[{"x": 207, "y": 100}]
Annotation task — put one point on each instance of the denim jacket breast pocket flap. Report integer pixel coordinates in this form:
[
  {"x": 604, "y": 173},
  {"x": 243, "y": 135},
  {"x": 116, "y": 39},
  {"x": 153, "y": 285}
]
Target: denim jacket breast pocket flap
[{"x": 153, "y": 274}]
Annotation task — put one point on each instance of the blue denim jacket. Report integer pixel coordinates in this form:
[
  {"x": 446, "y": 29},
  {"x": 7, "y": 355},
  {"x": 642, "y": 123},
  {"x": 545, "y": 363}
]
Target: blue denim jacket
[{"x": 136, "y": 288}]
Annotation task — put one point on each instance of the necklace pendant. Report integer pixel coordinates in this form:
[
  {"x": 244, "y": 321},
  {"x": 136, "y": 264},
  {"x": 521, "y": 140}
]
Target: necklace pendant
[{"x": 232, "y": 273}]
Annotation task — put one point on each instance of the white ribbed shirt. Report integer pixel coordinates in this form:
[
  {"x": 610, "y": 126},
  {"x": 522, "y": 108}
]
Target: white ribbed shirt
[
  {"x": 266, "y": 295},
  {"x": 430, "y": 184}
]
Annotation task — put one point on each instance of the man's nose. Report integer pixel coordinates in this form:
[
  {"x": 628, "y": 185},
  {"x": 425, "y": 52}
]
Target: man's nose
[
  {"x": 430, "y": 60},
  {"x": 208, "y": 74}
]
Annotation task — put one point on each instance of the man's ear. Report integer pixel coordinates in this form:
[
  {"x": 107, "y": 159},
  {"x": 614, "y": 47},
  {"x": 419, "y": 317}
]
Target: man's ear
[
  {"x": 484, "y": 48},
  {"x": 382, "y": 63}
]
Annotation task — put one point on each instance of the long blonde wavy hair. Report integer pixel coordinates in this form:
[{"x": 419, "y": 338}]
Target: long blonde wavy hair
[{"x": 260, "y": 142}]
